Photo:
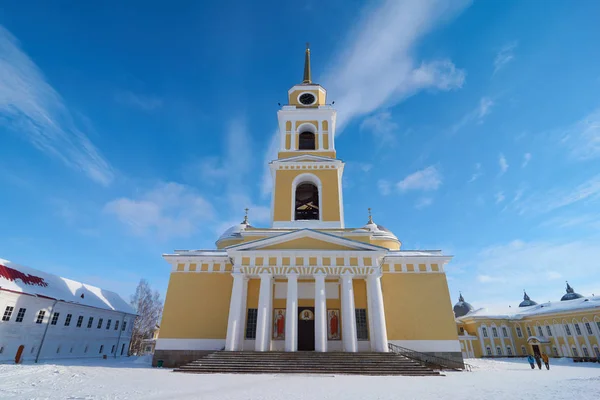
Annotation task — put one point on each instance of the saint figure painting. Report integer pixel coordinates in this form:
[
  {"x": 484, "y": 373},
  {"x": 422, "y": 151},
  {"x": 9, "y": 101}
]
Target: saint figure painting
[
  {"x": 279, "y": 323},
  {"x": 333, "y": 324}
]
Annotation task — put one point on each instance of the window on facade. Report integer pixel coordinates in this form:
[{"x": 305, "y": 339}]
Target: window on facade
[
  {"x": 100, "y": 323},
  {"x": 509, "y": 351},
  {"x": 86, "y": 349},
  {"x": 124, "y": 326},
  {"x": 488, "y": 351},
  {"x": 540, "y": 331},
  {"x": 108, "y": 324},
  {"x": 362, "y": 332},
  {"x": 574, "y": 350},
  {"x": 7, "y": 313},
  {"x": 251, "y": 323},
  {"x": 577, "y": 329},
  {"x": 71, "y": 350},
  {"x": 79, "y": 321},
  {"x": 68, "y": 319},
  {"x": 588, "y": 328},
  {"x": 58, "y": 350},
  {"x": 123, "y": 347},
  {"x": 597, "y": 352},
  {"x": 101, "y": 349},
  {"x": 112, "y": 350},
  {"x": 40, "y": 317},
  {"x": 90, "y": 322},
  {"x": 586, "y": 353},
  {"x": 529, "y": 332},
  {"x": 519, "y": 333},
  {"x": 32, "y": 349},
  {"x": 54, "y": 318},
  {"x": 21, "y": 314},
  {"x": 548, "y": 330},
  {"x": 567, "y": 329},
  {"x": 462, "y": 330},
  {"x": 484, "y": 331},
  {"x": 306, "y": 141},
  {"x": 116, "y": 325},
  {"x": 555, "y": 351},
  {"x": 598, "y": 324},
  {"x": 498, "y": 351},
  {"x": 1, "y": 349},
  {"x": 307, "y": 202},
  {"x": 494, "y": 331},
  {"x": 523, "y": 350},
  {"x": 504, "y": 332}
]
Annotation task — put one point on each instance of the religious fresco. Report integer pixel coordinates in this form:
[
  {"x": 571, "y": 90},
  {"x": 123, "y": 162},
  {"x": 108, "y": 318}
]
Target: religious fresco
[
  {"x": 333, "y": 324},
  {"x": 279, "y": 323},
  {"x": 307, "y": 315}
]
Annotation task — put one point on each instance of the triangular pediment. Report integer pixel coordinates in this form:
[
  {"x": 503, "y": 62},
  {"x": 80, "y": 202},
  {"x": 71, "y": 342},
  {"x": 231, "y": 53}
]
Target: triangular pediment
[
  {"x": 306, "y": 158},
  {"x": 307, "y": 239}
]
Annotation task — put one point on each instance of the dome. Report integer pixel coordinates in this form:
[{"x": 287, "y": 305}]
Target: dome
[
  {"x": 527, "y": 301},
  {"x": 462, "y": 308},
  {"x": 570, "y": 295},
  {"x": 235, "y": 231},
  {"x": 377, "y": 230}
]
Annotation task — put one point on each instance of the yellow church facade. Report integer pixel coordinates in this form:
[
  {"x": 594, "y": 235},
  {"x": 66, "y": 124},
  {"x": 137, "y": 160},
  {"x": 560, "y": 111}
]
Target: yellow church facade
[
  {"x": 307, "y": 282},
  {"x": 569, "y": 327}
]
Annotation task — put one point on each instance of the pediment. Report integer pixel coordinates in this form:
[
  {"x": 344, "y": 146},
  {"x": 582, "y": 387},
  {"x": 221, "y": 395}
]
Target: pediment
[
  {"x": 306, "y": 239},
  {"x": 306, "y": 158}
]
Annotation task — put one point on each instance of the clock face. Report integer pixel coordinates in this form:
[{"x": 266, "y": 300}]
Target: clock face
[{"x": 307, "y": 99}]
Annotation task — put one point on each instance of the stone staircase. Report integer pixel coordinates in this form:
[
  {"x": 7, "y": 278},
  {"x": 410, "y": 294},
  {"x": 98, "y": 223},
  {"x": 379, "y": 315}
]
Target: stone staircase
[{"x": 250, "y": 362}]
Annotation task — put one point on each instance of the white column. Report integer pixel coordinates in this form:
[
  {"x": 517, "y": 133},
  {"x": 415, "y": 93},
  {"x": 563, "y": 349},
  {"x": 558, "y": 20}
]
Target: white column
[
  {"x": 263, "y": 323},
  {"x": 379, "y": 334},
  {"x": 348, "y": 315},
  {"x": 291, "y": 314},
  {"x": 235, "y": 324},
  {"x": 370, "y": 319},
  {"x": 243, "y": 314},
  {"x": 320, "y": 314}
]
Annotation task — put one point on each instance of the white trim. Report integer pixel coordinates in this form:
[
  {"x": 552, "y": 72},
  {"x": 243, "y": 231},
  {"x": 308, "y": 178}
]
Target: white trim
[
  {"x": 429, "y": 346},
  {"x": 189, "y": 344}
]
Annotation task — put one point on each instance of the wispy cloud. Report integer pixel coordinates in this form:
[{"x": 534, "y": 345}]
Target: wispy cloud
[
  {"x": 503, "y": 164},
  {"x": 384, "y": 186},
  {"x": 423, "y": 202},
  {"x": 526, "y": 159},
  {"x": 476, "y": 115},
  {"x": 477, "y": 174},
  {"x": 583, "y": 137},
  {"x": 166, "y": 211},
  {"x": 33, "y": 109},
  {"x": 426, "y": 179},
  {"x": 505, "y": 56},
  {"x": 139, "y": 101},
  {"x": 499, "y": 196},
  {"x": 383, "y": 128}
]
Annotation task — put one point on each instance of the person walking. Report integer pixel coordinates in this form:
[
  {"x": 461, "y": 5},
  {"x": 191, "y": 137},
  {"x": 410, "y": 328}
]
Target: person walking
[
  {"x": 538, "y": 360},
  {"x": 546, "y": 360},
  {"x": 531, "y": 361}
]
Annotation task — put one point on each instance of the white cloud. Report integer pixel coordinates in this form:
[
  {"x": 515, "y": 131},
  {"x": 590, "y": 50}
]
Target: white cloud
[
  {"x": 385, "y": 187},
  {"x": 499, "y": 197},
  {"x": 31, "y": 107},
  {"x": 383, "y": 128},
  {"x": 505, "y": 56},
  {"x": 477, "y": 174},
  {"x": 477, "y": 115},
  {"x": 423, "y": 202},
  {"x": 503, "y": 164},
  {"x": 553, "y": 275},
  {"x": 166, "y": 211},
  {"x": 139, "y": 101},
  {"x": 583, "y": 137},
  {"x": 266, "y": 183},
  {"x": 526, "y": 159},
  {"x": 425, "y": 179},
  {"x": 365, "y": 167}
]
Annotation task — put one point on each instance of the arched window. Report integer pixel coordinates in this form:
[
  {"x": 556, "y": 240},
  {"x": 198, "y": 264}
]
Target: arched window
[
  {"x": 488, "y": 350},
  {"x": 523, "y": 350},
  {"x": 307, "y": 202},
  {"x": 306, "y": 141}
]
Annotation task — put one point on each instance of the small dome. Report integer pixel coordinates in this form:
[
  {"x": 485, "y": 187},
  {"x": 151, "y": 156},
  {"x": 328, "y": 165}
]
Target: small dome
[
  {"x": 462, "y": 308},
  {"x": 527, "y": 301},
  {"x": 377, "y": 230},
  {"x": 235, "y": 231},
  {"x": 571, "y": 295}
]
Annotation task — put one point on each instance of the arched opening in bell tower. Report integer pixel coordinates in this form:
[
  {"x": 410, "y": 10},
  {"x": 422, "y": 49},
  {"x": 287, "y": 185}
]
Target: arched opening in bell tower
[
  {"x": 307, "y": 202},
  {"x": 306, "y": 141}
]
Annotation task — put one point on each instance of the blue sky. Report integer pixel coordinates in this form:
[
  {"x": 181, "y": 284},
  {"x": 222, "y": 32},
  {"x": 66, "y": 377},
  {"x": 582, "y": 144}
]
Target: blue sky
[{"x": 127, "y": 131}]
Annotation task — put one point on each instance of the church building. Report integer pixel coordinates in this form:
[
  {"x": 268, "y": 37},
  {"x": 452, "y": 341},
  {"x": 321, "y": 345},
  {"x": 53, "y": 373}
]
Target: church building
[{"x": 307, "y": 282}]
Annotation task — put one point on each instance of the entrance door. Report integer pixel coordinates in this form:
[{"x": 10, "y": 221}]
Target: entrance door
[
  {"x": 19, "y": 354},
  {"x": 536, "y": 350},
  {"x": 306, "y": 328}
]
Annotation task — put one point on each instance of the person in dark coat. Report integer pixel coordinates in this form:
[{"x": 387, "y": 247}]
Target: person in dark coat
[
  {"x": 531, "y": 361},
  {"x": 546, "y": 360},
  {"x": 538, "y": 360}
]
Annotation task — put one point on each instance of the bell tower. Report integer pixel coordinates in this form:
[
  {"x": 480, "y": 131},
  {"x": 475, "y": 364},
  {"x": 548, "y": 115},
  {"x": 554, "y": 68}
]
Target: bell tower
[{"x": 307, "y": 187}]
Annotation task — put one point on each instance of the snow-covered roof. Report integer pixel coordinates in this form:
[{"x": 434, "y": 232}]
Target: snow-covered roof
[
  {"x": 551, "y": 307},
  {"x": 18, "y": 278}
]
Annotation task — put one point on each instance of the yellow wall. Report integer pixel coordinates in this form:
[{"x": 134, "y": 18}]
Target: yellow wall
[
  {"x": 196, "y": 306},
  {"x": 418, "y": 307},
  {"x": 320, "y": 95}
]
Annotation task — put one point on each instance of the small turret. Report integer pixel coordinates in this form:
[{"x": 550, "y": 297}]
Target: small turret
[
  {"x": 570, "y": 295},
  {"x": 527, "y": 300},
  {"x": 462, "y": 308}
]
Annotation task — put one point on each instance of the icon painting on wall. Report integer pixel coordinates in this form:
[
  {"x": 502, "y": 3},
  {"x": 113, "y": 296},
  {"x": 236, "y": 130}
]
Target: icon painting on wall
[
  {"x": 307, "y": 315},
  {"x": 333, "y": 324},
  {"x": 279, "y": 323}
]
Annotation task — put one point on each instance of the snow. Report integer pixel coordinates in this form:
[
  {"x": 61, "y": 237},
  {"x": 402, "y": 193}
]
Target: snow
[
  {"x": 133, "y": 379},
  {"x": 550, "y": 307},
  {"x": 38, "y": 283}
]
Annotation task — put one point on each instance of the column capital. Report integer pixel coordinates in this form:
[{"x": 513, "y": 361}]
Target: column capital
[
  {"x": 291, "y": 275},
  {"x": 347, "y": 275},
  {"x": 375, "y": 275},
  {"x": 265, "y": 275},
  {"x": 320, "y": 275}
]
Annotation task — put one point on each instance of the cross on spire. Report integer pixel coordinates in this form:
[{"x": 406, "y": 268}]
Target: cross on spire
[
  {"x": 246, "y": 216},
  {"x": 370, "y": 216}
]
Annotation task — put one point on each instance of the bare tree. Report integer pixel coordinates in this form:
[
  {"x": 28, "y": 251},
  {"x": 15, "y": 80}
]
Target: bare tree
[{"x": 148, "y": 306}]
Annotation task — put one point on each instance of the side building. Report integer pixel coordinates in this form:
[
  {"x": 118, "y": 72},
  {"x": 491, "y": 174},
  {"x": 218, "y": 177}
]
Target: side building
[
  {"x": 566, "y": 328},
  {"x": 45, "y": 316}
]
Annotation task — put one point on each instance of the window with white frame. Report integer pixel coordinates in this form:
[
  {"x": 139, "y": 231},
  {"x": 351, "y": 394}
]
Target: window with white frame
[
  {"x": 68, "y": 319},
  {"x": 362, "y": 332},
  {"x": 597, "y": 351},
  {"x": 540, "y": 330},
  {"x": 577, "y": 329},
  {"x": 494, "y": 331},
  {"x": 484, "y": 331},
  {"x": 79, "y": 321},
  {"x": 21, "y": 315},
  {"x": 529, "y": 332},
  {"x": 251, "y": 323},
  {"x": 588, "y": 328},
  {"x": 108, "y": 324},
  {"x": 1, "y": 349},
  {"x": 488, "y": 350},
  {"x": 519, "y": 333},
  {"x": 574, "y": 350},
  {"x": 40, "y": 317},
  {"x": 100, "y": 323},
  {"x": 54, "y": 318},
  {"x": 112, "y": 350},
  {"x": 58, "y": 350},
  {"x": 586, "y": 353},
  {"x": 509, "y": 351},
  {"x": 124, "y": 326},
  {"x": 548, "y": 330},
  {"x": 101, "y": 349},
  {"x": 498, "y": 351},
  {"x": 568, "y": 329},
  {"x": 598, "y": 325},
  {"x": 504, "y": 332},
  {"x": 86, "y": 349},
  {"x": 116, "y": 325},
  {"x": 90, "y": 322},
  {"x": 523, "y": 350},
  {"x": 7, "y": 313}
]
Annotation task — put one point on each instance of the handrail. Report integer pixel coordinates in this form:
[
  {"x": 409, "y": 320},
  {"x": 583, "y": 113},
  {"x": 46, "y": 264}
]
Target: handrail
[{"x": 428, "y": 359}]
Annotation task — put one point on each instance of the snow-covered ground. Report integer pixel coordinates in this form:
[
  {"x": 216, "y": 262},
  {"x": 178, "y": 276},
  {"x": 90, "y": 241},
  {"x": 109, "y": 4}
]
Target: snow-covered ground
[{"x": 134, "y": 379}]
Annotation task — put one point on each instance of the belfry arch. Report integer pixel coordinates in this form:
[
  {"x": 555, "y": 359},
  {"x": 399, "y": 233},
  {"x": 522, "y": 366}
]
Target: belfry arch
[
  {"x": 307, "y": 138},
  {"x": 306, "y": 192}
]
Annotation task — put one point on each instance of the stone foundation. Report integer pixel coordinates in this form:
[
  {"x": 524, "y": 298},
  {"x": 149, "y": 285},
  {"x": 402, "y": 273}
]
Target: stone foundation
[
  {"x": 452, "y": 355},
  {"x": 176, "y": 358}
]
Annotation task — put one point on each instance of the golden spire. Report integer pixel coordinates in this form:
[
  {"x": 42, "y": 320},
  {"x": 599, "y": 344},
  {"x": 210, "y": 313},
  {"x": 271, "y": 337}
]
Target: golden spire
[
  {"x": 370, "y": 216},
  {"x": 307, "y": 65}
]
